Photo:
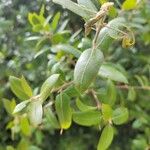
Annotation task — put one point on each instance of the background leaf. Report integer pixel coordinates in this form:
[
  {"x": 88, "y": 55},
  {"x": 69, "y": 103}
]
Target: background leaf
[
  {"x": 106, "y": 138},
  {"x": 87, "y": 118},
  {"x": 63, "y": 110},
  {"x": 120, "y": 115},
  {"x": 111, "y": 72}
]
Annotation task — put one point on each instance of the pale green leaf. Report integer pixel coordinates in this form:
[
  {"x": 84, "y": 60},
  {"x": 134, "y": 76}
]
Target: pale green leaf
[
  {"x": 106, "y": 138},
  {"x": 24, "y": 126},
  {"x": 87, "y": 118},
  {"x": 35, "y": 112},
  {"x": 20, "y": 106},
  {"x": 109, "y": 71},
  {"x": 88, "y": 4},
  {"x": 129, "y": 4},
  {"x": 63, "y": 110},
  {"x": 76, "y": 8},
  {"x": 17, "y": 89},
  {"x": 48, "y": 85},
  {"x": 9, "y": 105},
  {"x": 107, "y": 112},
  {"x": 131, "y": 94},
  {"x": 55, "y": 21},
  {"x": 27, "y": 89},
  {"x": 120, "y": 115},
  {"x": 51, "y": 118},
  {"x": 87, "y": 68},
  {"x": 83, "y": 107},
  {"x": 67, "y": 49}
]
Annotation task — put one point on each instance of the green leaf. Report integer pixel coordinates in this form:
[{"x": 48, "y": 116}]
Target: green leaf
[
  {"x": 82, "y": 107},
  {"x": 63, "y": 110},
  {"x": 106, "y": 138},
  {"x": 67, "y": 49},
  {"x": 76, "y": 8},
  {"x": 111, "y": 93},
  {"x": 88, "y": 4},
  {"x": 27, "y": 89},
  {"x": 51, "y": 118},
  {"x": 87, "y": 118},
  {"x": 120, "y": 115},
  {"x": 131, "y": 94},
  {"x": 107, "y": 35},
  {"x": 42, "y": 10},
  {"x": 17, "y": 89},
  {"x": 9, "y": 148},
  {"x": 20, "y": 106},
  {"x": 71, "y": 91},
  {"x": 107, "y": 112},
  {"x": 48, "y": 85},
  {"x": 55, "y": 21},
  {"x": 35, "y": 112},
  {"x": 109, "y": 71},
  {"x": 24, "y": 125},
  {"x": 9, "y": 105},
  {"x": 87, "y": 68},
  {"x": 116, "y": 25},
  {"x": 129, "y": 4}
]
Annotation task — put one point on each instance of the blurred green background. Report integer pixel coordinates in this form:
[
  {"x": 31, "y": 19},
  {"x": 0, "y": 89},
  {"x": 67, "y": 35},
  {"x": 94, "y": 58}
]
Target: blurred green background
[{"x": 35, "y": 59}]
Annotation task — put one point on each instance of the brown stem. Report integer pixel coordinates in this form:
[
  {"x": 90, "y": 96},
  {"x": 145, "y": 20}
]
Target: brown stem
[
  {"x": 59, "y": 89},
  {"x": 96, "y": 99}
]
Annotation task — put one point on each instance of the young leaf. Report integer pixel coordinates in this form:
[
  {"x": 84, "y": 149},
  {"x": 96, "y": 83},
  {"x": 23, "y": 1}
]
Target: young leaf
[
  {"x": 120, "y": 115},
  {"x": 27, "y": 89},
  {"x": 9, "y": 105},
  {"x": 63, "y": 110},
  {"x": 106, "y": 112},
  {"x": 51, "y": 118},
  {"x": 48, "y": 85},
  {"x": 20, "y": 106},
  {"x": 106, "y": 138},
  {"x": 35, "y": 113},
  {"x": 87, "y": 118},
  {"x": 129, "y": 4},
  {"x": 25, "y": 127},
  {"x": 17, "y": 89},
  {"x": 109, "y": 71},
  {"x": 55, "y": 21},
  {"x": 87, "y": 68},
  {"x": 88, "y": 4},
  {"x": 82, "y": 107},
  {"x": 76, "y": 8}
]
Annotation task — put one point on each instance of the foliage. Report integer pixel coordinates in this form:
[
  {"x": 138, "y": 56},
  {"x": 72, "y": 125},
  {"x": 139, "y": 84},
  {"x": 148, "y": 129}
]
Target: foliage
[{"x": 85, "y": 87}]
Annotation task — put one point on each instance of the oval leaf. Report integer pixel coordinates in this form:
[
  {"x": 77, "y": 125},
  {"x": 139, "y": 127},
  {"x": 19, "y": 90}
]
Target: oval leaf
[
  {"x": 51, "y": 118},
  {"x": 17, "y": 89},
  {"x": 107, "y": 112},
  {"x": 48, "y": 85},
  {"x": 87, "y": 118},
  {"x": 111, "y": 72},
  {"x": 106, "y": 138},
  {"x": 35, "y": 113},
  {"x": 21, "y": 106},
  {"x": 83, "y": 107},
  {"x": 63, "y": 110},
  {"x": 87, "y": 67},
  {"x": 76, "y": 8},
  {"x": 120, "y": 115}
]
